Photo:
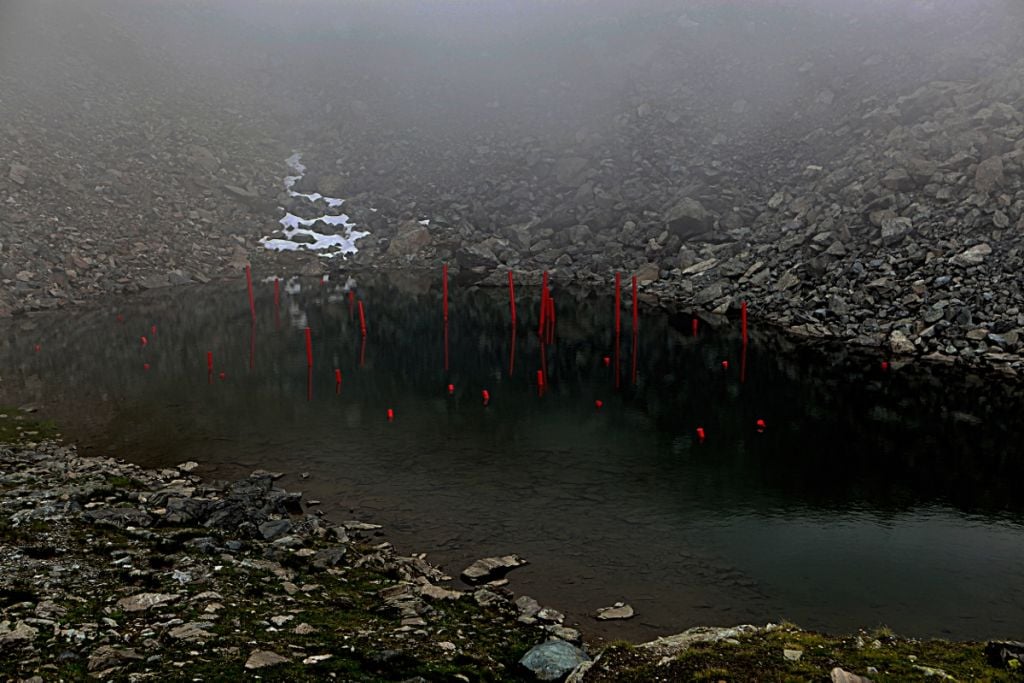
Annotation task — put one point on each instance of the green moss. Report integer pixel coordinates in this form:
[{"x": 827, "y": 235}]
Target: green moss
[{"x": 18, "y": 427}]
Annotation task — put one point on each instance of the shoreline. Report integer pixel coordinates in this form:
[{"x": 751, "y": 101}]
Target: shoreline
[{"x": 147, "y": 568}]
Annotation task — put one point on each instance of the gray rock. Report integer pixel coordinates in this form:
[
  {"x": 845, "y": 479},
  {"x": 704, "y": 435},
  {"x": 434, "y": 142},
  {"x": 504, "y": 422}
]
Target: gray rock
[
  {"x": 144, "y": 601},
  {"x": 900, "y": 343},
  {"x": 618, "y": 611},
  {"x": 275, "y": 528},
  {"x": 688, "y": 218},
  {"x": 894, "y": 229},
  {"x": 553, "y": 660},
  {"x": 974, "y": 256},
  {"x": 260, "y": 659},
  {"x": 838, "y": 675},
  {"x": 989, "y": 175},
  {"x": 20, "y": 632},
  {"x": 490, "y": 568}
]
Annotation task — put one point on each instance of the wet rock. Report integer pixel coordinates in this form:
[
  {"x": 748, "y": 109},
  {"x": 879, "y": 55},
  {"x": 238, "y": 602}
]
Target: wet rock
[
  {"x": 619, "y": 610},
  {"x": 553, "y": 660},
  {"x": 261, "y": 659},
  {"x": 489, "y": 568}
]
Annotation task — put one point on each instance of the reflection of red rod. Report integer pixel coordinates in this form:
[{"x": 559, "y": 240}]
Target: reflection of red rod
[
  {"x": 551, "y": 320},
  {"x": 446, "y": 345},
  {"x": 743, "y": 364},
  {"x": 337, "y": 381},
  {"x": 445, "y": 288},
  {"x": 351, "y": 303},
  {"x": 362, "y": 319},
  {"x": 512, "y": 297},
  {"x": 252, "y": 298},
  {"x": 277, "y": 303},
  {"x": 362, "y": 352},
  {"x": 512, "y": 354},
  {"x": 636, "y": 308},
  {"x": 309, "y": 381},
  {"x": 209, "y": 361},
  {"x": 743, "y": 320},
  {"x": 696, "y": 324},
  {"x": 618, "y": 323},
  {"x": 309, "y": 348}
]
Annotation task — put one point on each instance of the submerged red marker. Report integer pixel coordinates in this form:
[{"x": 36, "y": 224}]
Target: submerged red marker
[
  {"x": 599, "y": 404},
  {"x": 391, "y": 414},
  {"x": 695, "y": 325},
  {"x": 761, "y": 426},
  {"x": 451, "y": 389},
  {"x": 145, "y": 366},
  {"x": 607, "y": 361},
  {"x": 486, "y": 396},
  {"x": 223, "y": 376},
  {"x": 209, "y": 361},
  {"x": 152, "y": 331},
  {"x": 38, "y": 348},
  {"x": 309, "y": 348},
  {"x": 700, "y": 433},
  {"x": 885, "y": 365},
  {"x": 337, "y": 381},
  {"x": 143, "y": 341},
  {"x": 725, "y": 365}
]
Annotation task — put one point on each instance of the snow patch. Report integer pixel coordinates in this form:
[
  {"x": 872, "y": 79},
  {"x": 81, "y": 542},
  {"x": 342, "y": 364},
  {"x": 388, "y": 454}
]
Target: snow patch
[{"x": 331, "y": 244}]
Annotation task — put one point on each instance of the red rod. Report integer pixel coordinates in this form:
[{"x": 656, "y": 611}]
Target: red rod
[
  {"x": 445, "y": 287},
  {"x": 743, "y": 321},
  {"x": 551, "y": 319},
  {"x": 309, "y": 348},
  {"x": 362, "y": 318},
  {"x": 543, "y": 305},
  {"x": 252, "y": 345},
  {"x": 337, "y": 381},
  {"x": 209, "y": 361},
  {"x": 696, "y": 324},
  {"x": 252, "y": 298},
  {"x": 277, "y": 303},
  {"x": 636, "y": 306},
  {"x": 512, "y": 297},
  {"x": 351, "y": 303}
]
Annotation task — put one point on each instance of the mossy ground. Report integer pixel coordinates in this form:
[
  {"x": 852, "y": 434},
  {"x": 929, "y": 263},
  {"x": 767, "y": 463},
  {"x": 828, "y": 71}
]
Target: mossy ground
[{"x": 880, "y": 656}]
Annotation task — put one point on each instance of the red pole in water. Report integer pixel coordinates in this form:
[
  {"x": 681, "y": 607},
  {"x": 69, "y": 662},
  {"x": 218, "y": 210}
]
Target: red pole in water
[
  {"x": 252, "y": 298},
  {"x": 743, "y": 320},
  {"x": 209, "y": 367},
  {"x": 351, "y": 303},
  {"x": 309, "y": 348},
  {"x": 445, "y": 288},
  {"x": 543, "y": 305},
  {"x": 277, "y": 303},
  {"x": 512, "y": 297},
  {"x": 486, "y": 396},
  {"x": 700, "y": 434},
  {"x": 540, "y": 381},
  {"x": 362, "y": 319},
  {"x": 696, "y": 324},
  {"x": 337, "y": 381},
  {"x": 391, "y": 414}
]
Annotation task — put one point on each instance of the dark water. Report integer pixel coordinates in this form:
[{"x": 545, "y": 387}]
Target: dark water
[{"x": 871, "y": 498}]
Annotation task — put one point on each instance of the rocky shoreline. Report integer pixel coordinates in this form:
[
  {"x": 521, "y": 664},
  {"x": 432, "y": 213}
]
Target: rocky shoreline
[{"x": 115, "y": 572}]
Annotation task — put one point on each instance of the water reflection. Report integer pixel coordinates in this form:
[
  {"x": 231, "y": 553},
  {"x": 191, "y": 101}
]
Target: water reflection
[{"x": 869, "y": 498}]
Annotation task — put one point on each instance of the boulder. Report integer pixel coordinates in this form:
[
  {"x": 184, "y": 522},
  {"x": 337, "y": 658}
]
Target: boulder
[
  {"x": 553, "y": 660},
  {"x": 411, "y": 237},
  {"x": 989, "y": 175},
  {"x": 688, "y": 218}
]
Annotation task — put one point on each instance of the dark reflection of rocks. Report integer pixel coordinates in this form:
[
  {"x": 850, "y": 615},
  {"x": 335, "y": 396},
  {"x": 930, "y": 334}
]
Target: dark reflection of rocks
[{"x": 610, "y": 505}]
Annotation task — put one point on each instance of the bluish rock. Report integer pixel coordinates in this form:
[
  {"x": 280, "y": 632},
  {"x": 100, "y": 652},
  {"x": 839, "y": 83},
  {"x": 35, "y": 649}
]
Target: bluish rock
[{"x": 553, "y": 660}]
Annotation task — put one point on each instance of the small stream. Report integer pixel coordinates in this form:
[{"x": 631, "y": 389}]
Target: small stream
[{"x": 871, "y": 497}]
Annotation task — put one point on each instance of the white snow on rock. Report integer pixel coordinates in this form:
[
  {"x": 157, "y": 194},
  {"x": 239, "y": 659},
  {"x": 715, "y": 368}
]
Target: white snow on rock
[{"x": 331, "y": 244}]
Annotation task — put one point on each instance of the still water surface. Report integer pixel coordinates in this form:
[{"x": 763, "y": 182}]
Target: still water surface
[{"x": 871, "y": 498}]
